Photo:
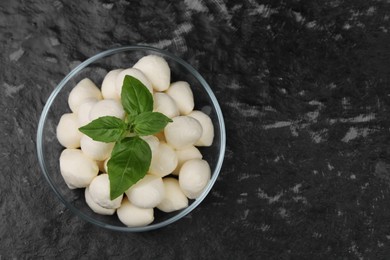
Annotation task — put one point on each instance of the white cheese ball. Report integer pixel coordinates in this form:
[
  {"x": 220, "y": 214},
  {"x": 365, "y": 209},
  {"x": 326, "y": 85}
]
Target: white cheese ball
[
  {"x": 164, "y": 161},
  {"x": 134, "y": 73},
  {"x": 84, "y": 110},
  {"x": 77, "y": 169},
  {"x": 174, "y": 198},
  {"x": 133, "y": 216},
  {"x": 99, "y": 189},
  {"x": 83, "y": 90},
  {"x": 184, "y": 155},
  {"x": 105, "y": 165},
  {"x": 156, "y": 70},
  {"x": 109, "y": 85},
  {"x": 165, "y": 105},
  {"x": 94, "y": 206},
  {"x": 107, "y": 107},
  {"x": 147, "y": 192},
  {"x": 181, "y": 92},
  {"x": 152, "y": 141},
  {"x": 193, "y": 177},
  {"x": 98, "y": 151},
  {"x": 68, "y": 133},
  {"x": 184, "y": 131},
  {"x": 207, "y": 125}
]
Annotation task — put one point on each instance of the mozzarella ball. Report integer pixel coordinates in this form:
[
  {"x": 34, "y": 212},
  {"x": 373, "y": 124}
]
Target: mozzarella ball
[
  {"x": 207, "y": 125},
  {"x": 68, "y": 133},
  {"x": 184, "y": 131},
  {"x": 134, "y": 73},
  {"x": 165, "y": 105},
  {"x": 107, "y": 107},
  {"x": 133, "y": 216},
  {"x": 147, "y": 192},
  {"x": 156, "y": 70},
  {"x": 77, "y": 169},
  {"x": 98, "y": 151},
  {"x": 99, "y": 189},
  {"x": 105, "y": 165},
  {"x": 84, "y": 110},
  {"x": 109, "y": 85},
  {"x": 94, "y": 206},
  {"x": 174, "y": 198},
  {"x": 152, "y": 141},
  {"x": 193, "y": 177},
  {"x": 83, "y": 90},
  {"x": 182, "y": 94},
  {"x": 164, "y": 161},
  {"x": 183, "y": 155}
]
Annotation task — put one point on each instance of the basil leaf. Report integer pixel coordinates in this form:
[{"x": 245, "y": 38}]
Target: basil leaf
[
  {"x": 105, "y": 129},
  {"x": 130, "y": 161},
  {"x": 135, "y": 97},
  {"x": 149, "y": 123},
  {"x": 130, "y": 117}
]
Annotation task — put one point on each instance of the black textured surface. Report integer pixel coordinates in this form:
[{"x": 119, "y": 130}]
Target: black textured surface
[{"x": 304, "y": 87}]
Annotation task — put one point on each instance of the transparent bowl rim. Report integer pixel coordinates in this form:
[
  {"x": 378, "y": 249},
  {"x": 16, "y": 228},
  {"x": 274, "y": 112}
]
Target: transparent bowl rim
[{"x": 58, "y": 88}]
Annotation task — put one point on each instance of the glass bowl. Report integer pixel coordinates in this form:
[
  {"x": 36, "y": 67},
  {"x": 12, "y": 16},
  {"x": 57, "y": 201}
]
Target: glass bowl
[{"x": 95, "y": 68}]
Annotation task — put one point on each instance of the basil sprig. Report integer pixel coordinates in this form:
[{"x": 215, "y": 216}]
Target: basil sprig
[{"x": 131, "y": 156}]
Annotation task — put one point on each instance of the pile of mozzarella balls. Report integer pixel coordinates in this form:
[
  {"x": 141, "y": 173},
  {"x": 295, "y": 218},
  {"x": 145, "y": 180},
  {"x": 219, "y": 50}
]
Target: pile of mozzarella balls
[{"x": 177, "y": 171}]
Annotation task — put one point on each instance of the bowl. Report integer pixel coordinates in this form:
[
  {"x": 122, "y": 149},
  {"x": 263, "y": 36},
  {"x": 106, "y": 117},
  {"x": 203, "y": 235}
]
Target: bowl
[{"x": 95, "y": 68}]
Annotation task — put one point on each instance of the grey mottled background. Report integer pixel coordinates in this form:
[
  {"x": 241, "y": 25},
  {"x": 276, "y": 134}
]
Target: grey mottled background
[{"x": 304, "y": 87}]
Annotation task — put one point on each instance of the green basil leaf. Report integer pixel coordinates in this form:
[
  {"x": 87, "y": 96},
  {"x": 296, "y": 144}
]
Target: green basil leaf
[
  {"x": 135, "y": 97},
  {"x": 149, "y": 123},
  {"x": 129, "y": 162},
  {"x": 130, "y": 117},
  {"x": 105, "y": 129}
]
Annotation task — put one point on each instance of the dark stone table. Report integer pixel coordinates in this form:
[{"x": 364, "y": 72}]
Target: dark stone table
[{"x": 305, "y": 90}]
